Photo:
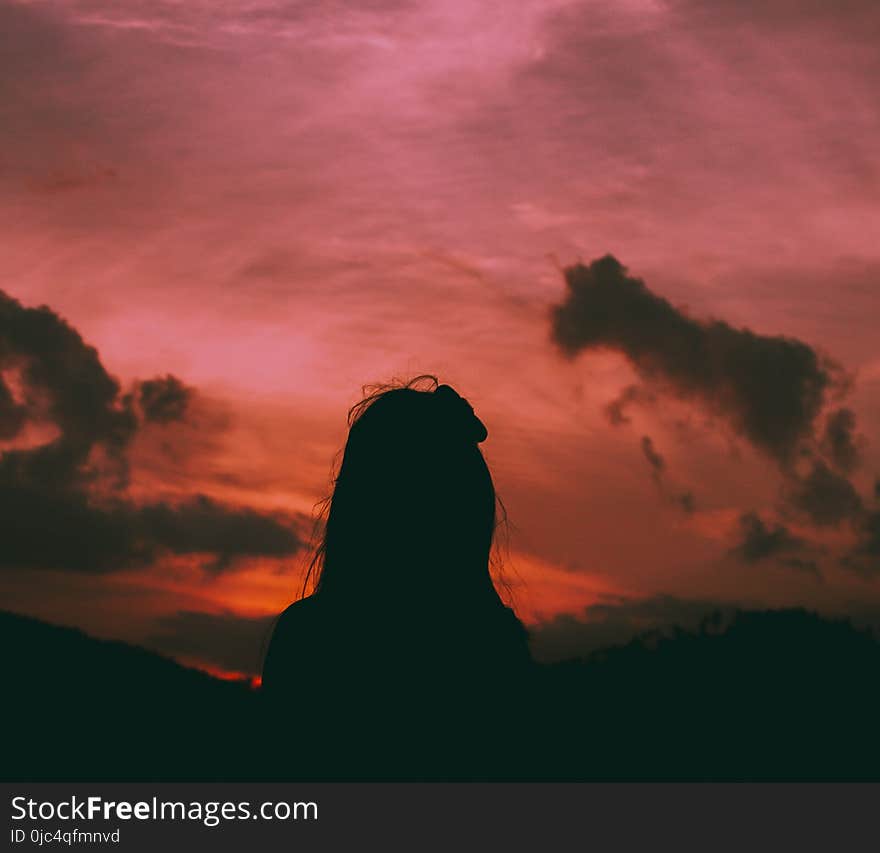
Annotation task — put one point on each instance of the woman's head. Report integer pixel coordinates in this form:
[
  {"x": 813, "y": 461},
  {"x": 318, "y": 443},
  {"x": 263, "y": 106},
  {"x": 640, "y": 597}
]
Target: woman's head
[{"x": 413, "y": 506}]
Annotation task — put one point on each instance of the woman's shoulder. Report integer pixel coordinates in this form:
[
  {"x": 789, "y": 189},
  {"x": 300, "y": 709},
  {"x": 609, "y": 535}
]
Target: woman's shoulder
[
  {"x": 298, "y": 616},
  {"x": 301, "y": 608},
  {"x": 515, "y": 628},
  {"x": 290, "y": 636},
  {"x": 505, "y": 618}
]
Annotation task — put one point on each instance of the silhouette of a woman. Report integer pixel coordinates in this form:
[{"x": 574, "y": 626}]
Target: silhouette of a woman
[{"x": 404, "y": 661}]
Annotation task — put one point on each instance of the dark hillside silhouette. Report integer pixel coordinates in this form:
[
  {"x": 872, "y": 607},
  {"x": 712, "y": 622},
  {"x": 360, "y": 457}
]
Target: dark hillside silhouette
[
  {"x": 779, "y": 694},
  {"x": 775, "y": 695},
  {"x": 78, "y": 708}
]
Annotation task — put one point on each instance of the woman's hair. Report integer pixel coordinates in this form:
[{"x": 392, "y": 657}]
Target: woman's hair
[{"x": 413, "y": 508}]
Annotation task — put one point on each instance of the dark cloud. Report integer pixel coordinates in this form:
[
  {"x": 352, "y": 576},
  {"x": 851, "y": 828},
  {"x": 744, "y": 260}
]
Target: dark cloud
[
  {"x": 226, "y": 640},
  {"x": 616, "y": 410},
  {"x": 202, "y": 526},
  {"x": 864, "y": 557},
  {"x": 616, "y": 622},
  {"x": 839, "y": 442},
  {"x": 164, "y": 399},
  {"x": 758, "y": 540},
  {"x": 683, "y": 500},
  {"x": 655, "y": 460},
  {"x": 769, "y": 389},
  {"x": 64, "y": 384},
  {"x": 810, "y": 567},
  {"x": 44, "y": 528},
  {"x": 63, "y": 503},
  {"x": 687, "y": 501},
  {"x": 825, "y": 497},
  {"x": 12, "y": 413},
  {"x": 72, "y": 531}
]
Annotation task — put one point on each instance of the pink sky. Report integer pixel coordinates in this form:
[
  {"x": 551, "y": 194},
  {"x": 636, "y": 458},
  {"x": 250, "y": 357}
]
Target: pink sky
[{"x": 279, "y": 202}]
